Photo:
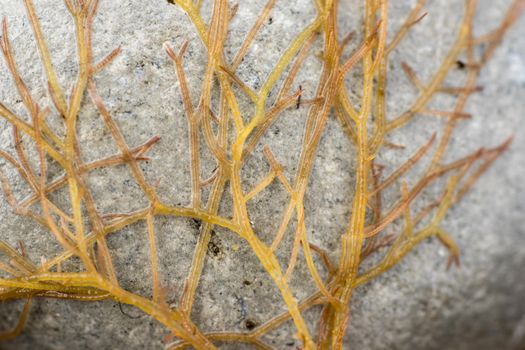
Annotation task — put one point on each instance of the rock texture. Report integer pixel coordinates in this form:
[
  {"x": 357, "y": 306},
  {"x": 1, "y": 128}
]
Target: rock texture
[{"x": 417, "y": 305}]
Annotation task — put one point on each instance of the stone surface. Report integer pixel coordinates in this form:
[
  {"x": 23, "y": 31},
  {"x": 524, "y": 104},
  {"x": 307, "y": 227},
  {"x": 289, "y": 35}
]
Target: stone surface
[{"x": 417, "y": 305}]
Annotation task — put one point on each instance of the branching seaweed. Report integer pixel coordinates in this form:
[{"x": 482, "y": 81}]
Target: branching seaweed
[{"x": 81, "y": 229}]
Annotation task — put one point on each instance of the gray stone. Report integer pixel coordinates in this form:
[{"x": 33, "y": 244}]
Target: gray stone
[{"x": 418, "y": 304}]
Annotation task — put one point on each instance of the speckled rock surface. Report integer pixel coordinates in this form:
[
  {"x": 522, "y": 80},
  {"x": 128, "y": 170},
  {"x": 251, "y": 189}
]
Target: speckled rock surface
[{"x": 417, "y": 305}]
